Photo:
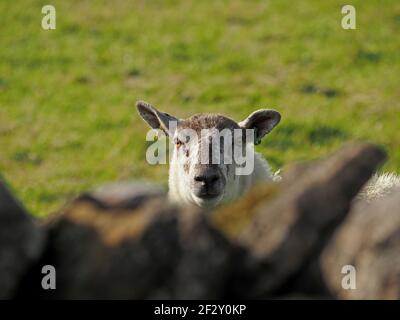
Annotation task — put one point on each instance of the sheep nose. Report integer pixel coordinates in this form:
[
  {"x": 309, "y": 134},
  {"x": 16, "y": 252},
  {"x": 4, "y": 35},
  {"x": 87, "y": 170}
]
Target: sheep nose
[{"x": 207, "y": 180}]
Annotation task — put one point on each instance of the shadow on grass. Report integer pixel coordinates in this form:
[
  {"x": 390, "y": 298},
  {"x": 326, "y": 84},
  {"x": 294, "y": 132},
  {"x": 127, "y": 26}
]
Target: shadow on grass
[
  {"x": 324, "y": 135},
  {"x": 311, "y": 88},
  {"x": 367, "y": 56},
  {"x": 295, "y": 135}
]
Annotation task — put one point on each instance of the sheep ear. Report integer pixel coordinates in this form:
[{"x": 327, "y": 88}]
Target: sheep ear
[
  {"x": 262, "y": 121},
  {"x": 157, "y": 119}
]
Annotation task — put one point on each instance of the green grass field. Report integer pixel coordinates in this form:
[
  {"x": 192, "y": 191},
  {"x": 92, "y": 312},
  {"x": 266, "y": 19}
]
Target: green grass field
[{"x": 67, "y": 96}]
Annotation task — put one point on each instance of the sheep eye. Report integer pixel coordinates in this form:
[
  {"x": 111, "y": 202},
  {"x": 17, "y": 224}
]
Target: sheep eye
[{"x": 178, "y": 143}]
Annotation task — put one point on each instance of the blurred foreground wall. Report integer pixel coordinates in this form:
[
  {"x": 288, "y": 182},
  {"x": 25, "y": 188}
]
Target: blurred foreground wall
[{"x": 301, "y": 238}]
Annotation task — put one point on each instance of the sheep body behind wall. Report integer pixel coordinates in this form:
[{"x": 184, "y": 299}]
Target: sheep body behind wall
[{"x": 379, "y": 185}]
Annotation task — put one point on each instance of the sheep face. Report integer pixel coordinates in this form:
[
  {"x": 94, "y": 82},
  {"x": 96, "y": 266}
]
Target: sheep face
[
  {"x": 211, "y": 152},
  {"x": 204, "y": 157}
]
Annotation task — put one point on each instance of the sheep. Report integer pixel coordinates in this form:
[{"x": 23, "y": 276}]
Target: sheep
[
  {"x": 215, "y": 182},
  {"x": 211, "y": 183}
]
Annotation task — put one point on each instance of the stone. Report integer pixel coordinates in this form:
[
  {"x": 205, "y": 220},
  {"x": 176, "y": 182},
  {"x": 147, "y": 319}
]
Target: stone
[
  {"x": 128, "y": 242},
  {"x": 290, "y": 224},
  {"x": 369, "y": 241},
  {"x": 21, "y": 242}
]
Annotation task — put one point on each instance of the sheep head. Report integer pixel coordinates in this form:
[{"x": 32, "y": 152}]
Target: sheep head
[{"x": 210, "y": 151}]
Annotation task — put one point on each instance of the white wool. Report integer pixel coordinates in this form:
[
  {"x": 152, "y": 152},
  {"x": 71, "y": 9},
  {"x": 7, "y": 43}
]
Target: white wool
[{"x": 379, "y": 185}]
